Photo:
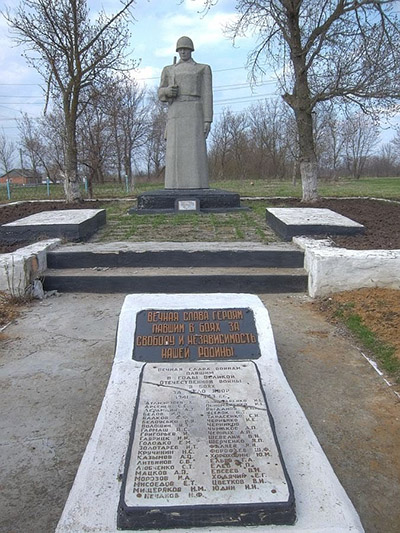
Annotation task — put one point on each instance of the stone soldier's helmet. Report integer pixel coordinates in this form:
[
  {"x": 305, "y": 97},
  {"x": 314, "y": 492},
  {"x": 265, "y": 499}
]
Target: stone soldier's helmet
[{"x": 184, "y": 42}]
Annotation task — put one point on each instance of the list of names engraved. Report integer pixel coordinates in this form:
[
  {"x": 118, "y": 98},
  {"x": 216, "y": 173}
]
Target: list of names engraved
[{"x": 202, "y": 435}]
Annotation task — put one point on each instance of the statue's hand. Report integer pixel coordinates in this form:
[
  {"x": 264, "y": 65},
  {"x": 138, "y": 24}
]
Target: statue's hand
[
  {"x": 172, "y": 91},
  {"x": 207, "y": 126}
]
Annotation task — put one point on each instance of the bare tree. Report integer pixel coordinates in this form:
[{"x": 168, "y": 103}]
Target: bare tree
[
  {"x": 335, "y": 49},
  {"x": 329, "y": 138},
  {"x": 7, "y": 151},
  {"x": 267, "y": 130},
  {"x": 229, "y": 150},
  {"x": 361, "y": 135},
  {"x": 155, "y": 144},
  {"x": 95, "y": 134},
  {"x": 132, "y": 125},
  {"x": 41, "y": 141},
  {"x": 384, "y": 163},
  {"x": 70, "y": 52},
  {"x": 220, "y": 146},
  {"x": 396, "y": 144}
]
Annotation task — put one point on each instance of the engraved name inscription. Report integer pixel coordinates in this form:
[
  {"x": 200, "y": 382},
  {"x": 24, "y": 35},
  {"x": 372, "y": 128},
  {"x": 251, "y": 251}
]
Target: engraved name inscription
[{"x": 202, "y": 435}]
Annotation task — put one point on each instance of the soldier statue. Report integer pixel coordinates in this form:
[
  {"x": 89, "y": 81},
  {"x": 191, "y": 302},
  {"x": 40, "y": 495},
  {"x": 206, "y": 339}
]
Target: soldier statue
[{"x": 187, "y": 88}]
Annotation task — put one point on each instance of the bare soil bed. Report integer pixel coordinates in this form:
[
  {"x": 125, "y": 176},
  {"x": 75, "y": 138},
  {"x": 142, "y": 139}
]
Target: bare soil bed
[{"x": 381, "y": 219}]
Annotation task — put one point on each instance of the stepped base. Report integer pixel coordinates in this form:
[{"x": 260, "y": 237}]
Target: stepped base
[
  {"x": 123, "y": 267},
  {"x": 187, "y": 200},
  {"x": 169, "y": 280},
  {"x": 161, "y": 254}
]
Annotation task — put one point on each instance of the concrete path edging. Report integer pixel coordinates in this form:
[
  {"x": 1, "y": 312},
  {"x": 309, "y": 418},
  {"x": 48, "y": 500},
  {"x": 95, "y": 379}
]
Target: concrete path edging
[
  {"x": 19, "y": 269},
  {"x": 332, "y": 269}
]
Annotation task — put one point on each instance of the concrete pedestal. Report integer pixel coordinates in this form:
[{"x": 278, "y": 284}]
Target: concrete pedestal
[{"x": 168, "y": 201}]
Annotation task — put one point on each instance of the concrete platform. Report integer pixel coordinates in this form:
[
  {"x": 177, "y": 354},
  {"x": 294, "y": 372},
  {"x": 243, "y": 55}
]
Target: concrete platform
[
  {"x": 289, "y": 222},
  {"x": 70, "y": 224},
  {"x": 321, "y": 502}
]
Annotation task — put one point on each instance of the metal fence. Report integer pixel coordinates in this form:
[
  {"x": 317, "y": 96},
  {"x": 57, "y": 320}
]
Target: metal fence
[{"x": 10, "y": 192}]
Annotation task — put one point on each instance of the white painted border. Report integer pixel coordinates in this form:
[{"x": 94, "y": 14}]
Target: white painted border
[
  {"x": 322, "y": 504},
  {"x": 18, "y": 269},
  {"x": 332, "y": 269}
]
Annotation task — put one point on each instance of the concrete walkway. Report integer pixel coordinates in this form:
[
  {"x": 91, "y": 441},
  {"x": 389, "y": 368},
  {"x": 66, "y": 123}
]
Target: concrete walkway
[{"x": 54, "y": 367}]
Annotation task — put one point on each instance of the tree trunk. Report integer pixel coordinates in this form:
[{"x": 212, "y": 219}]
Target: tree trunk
[
  {"x": 71, "y": 182},
  {"x": 307, "y": 157}
]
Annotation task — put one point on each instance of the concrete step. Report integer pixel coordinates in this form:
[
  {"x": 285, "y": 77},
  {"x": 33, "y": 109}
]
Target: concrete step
[
  {"x": 176, "y": 280},
  {"x": 193, "y": 254}
]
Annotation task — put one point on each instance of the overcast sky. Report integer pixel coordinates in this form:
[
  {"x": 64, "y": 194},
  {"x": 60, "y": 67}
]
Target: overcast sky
[{"x": 159, "y": 23}]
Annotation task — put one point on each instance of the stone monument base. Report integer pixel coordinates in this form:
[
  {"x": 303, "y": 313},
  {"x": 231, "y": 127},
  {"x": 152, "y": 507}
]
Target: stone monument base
[
  {"x": 69, "y": 224},
  {"x": 187, "y": 200},
  {"x": 289, "y": 222}
]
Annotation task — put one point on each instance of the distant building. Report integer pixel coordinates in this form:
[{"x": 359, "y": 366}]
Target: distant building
[{"x": 21, "y": 176}]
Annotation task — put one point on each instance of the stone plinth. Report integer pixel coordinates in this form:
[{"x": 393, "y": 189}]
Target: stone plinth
[
  {"x": 71, "y": 224},
  {"x": 204, "y": 443},
  {"x": 289, "y": 222},
  {"x": 167, "y": 201}
]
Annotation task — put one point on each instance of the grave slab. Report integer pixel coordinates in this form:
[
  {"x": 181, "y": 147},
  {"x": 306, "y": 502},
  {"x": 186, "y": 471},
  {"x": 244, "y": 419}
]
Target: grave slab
[
  {"x": 211, "y": 441},
  {"x": 71, "y": 224},
  {"x": 289, "y": 222}
]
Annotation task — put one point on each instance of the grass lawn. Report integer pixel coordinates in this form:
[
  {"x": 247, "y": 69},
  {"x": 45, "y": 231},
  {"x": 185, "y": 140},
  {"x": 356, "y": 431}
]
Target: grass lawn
[{"x": 242, "y": 226}]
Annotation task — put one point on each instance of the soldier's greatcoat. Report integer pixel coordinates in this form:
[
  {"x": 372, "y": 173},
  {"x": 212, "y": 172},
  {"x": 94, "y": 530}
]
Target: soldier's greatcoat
[{"x": 186, "y": 164}]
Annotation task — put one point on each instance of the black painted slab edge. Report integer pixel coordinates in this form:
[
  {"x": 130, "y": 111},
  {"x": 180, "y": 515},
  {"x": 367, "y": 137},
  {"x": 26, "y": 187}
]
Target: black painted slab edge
[
  {"x": 177, "y": 258},
  {"x": 153, "y": 517},
  {"x": 288, "y": 231},
  {"x": 177, "y": 284},
  {"x": 164, "y": 199},
  {"x": 71, "y": 232},
  {"x": 204, "y": 211}
]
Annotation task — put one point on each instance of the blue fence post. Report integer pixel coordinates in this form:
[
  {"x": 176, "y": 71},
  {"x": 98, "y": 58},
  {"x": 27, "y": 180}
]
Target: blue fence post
[
  {"x": 8, "y": 190},
  {"x": 48, "y": 185},
  {"x": 85, "y": 181}
]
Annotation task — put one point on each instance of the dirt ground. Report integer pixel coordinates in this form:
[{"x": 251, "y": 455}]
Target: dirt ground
[
  {"x": 55, "y": 362},
  {"x": 378, "y": 308}
]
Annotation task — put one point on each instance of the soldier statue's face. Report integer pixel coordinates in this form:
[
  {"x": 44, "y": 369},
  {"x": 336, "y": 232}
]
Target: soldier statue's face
[{"x": 185, "y": 54}]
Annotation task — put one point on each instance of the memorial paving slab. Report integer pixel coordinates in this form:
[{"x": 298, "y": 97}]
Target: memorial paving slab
[
  {"x": 55, "y": 364},
  {"x": 289, "y": 222},
  {"x": 72, "y": 224},
  {"x": 321, "y": 502}
]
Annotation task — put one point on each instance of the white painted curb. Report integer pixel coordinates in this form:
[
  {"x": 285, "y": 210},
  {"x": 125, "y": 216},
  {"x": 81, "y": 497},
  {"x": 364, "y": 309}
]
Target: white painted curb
[
  {"x": 332, "y": 269},
  {"x": 20, "y": 268}
]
